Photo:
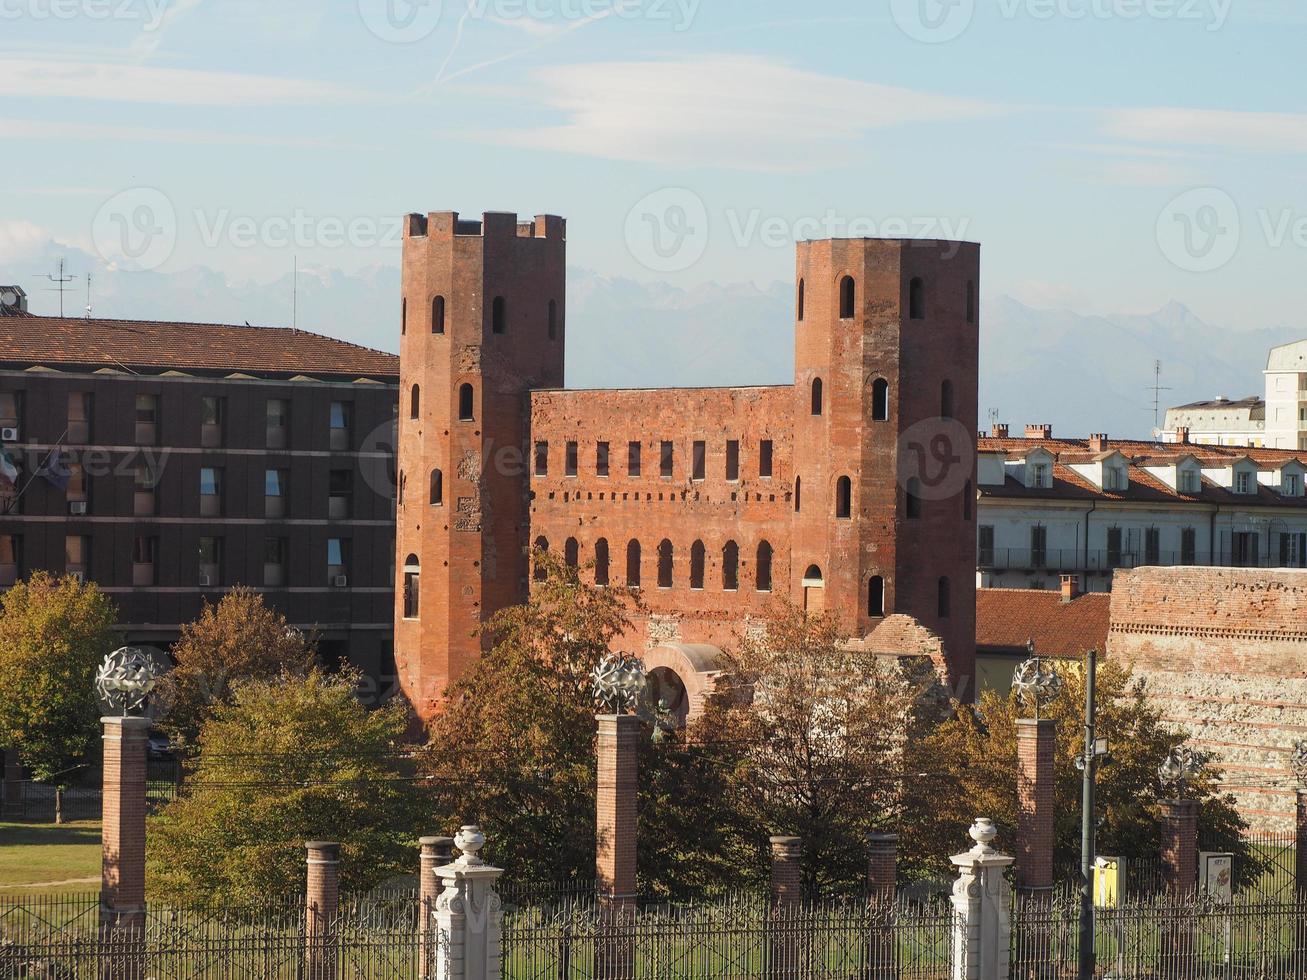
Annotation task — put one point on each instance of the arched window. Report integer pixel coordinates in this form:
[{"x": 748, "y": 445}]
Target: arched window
[
  {"x": 764, "y": 567},
  {"x": 601, "y": 561},
  {"x": 971, "y": 301},
  {"x": 665, "y": 564},
  {"x": 912, "y": 498},
  {"x": 880, "y": 400},
  {"x": 403, "y": 317},
  {"x": 553, "y": 319},
  {"x": 731, "y": 567},
  {"x": 917, "y": 299},
  {"x": 876, "y": 596},
  {"x": 437, "y": 488},
  {"x": 812, "y": 576},
  {"x": 944, "y": 598},
  {"x": 946, "y": 400},
  {"x": 499, "y": 316},
  {"x": 572, "y": 553},
  {"x": 542, "y": 544},
  {"x": 633, "y": 564},
  {"x": 848, "y": 296},
  {"x": 844, "y": 498},
  {"x": 438, "y": 315},
  {"x": 412, "y": 587},
  {"x": 415, "y": 403},
  {"x": 465, "y": 403},
  {"x": 968, "y": 499},
  {"x": 798, "y": 492},
  {"x": 802, "y": 288},
  {"x": 816, "y": 396},
  {"x": 696, "y": 565}
]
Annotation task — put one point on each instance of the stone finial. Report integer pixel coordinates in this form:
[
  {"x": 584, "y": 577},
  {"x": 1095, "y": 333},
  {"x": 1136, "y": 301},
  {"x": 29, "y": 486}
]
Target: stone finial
[{"x": 469, "y": 840}]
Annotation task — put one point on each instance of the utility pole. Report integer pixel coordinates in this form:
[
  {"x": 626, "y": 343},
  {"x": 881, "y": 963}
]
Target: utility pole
[{"x": 1087, "y": 844}]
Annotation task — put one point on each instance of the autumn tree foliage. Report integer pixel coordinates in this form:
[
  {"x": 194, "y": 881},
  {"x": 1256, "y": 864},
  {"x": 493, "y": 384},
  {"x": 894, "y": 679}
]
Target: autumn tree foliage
[
  {"x": 977, "y": 752},
  {"x": 54, "y": 633},
  {"x": 282, "y": 761},
  {"x": 239, "y": 638}
]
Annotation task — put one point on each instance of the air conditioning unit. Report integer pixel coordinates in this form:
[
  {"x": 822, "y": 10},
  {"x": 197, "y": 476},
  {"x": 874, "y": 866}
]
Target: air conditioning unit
[
  {"x": 77, "y": 507},
  {"x": 205, "y": 580},
  {"x": 8, "y": 434},
  {"x": 340, "y": 581}
]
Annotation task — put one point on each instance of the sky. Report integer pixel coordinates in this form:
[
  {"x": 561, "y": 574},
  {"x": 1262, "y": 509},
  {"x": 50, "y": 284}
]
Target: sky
[{"x": 1110, "y": 155}]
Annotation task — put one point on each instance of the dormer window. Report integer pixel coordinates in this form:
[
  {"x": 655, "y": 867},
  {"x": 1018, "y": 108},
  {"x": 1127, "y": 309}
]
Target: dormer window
[
  {"x": 1113, "y": 478},
  {"x": 1243, "y": 482},
  {"x": 1188, "y": 481},
  {"x": 1039, "y": 478},
  {"x": 1291, "y": 484}
]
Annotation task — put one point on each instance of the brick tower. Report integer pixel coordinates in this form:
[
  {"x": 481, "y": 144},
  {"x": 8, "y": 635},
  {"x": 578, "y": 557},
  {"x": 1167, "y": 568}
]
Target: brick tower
[
  {"x": 886, "y": 354},
  {"x": 483, "y": 324}
]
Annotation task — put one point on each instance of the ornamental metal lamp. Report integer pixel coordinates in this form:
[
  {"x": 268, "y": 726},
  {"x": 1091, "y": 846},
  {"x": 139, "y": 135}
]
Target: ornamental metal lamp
[
  {"x": 1180, "y": 768},
  {"x": 619, "y": 683},
  {"x": 1034, "y": 684},
  {"x": 126, "y": 680}
]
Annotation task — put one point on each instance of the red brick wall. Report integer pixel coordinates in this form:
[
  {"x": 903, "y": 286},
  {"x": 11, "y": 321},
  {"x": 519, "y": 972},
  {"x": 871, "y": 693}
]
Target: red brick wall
[
  {"x": 618, "y": 752},
  {"x": 1224, "y": 650},
  {"x": 1036, "y": 746},
  {"x": 123, "y": 834}
]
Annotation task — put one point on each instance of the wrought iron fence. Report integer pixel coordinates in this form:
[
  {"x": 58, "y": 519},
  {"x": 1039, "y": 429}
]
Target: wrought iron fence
[{"x": 42, "y": 802}]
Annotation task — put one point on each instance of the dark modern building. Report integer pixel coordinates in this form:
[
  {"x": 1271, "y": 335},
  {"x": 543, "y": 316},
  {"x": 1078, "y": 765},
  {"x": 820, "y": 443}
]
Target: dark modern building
[{"x": 168, "y": 462}]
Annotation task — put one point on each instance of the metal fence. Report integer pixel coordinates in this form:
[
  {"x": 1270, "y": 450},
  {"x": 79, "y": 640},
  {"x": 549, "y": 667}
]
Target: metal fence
[{"x": 41, "y": 802}]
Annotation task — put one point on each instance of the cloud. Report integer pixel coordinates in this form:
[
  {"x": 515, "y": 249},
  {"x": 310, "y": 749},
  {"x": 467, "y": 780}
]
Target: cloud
[
  {"x": 31, "y": 78},
  {"x": 732, "y": 111},
  {"x": 21, "y": 239},
  {"x": 1258, "y": 132},
  {"x": 147, "y": 42},
  {"x": 35, "y": 129}
]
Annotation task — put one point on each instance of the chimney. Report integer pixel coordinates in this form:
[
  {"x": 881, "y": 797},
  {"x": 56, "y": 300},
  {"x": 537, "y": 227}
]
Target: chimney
[
  {"x": 1070, "y": 587},
  {"x": 1182, "y": 435},
  {"x": 1039, "y": 432},
  {"x": 1098, "y": 442},
  {"x": 998, "y": 430}
]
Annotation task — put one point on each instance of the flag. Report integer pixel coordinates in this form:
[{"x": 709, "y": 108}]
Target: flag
[
  {"x": 56, "y": 471},
  {"x": 8, "y": 469}
]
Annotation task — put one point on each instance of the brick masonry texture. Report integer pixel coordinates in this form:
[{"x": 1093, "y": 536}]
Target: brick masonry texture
[
  {"x": 1225, "y": 652},
  {"x": 123, "y": 835},
  {"x": 1036, "y": 747},
  {"x": 484, "y": 307},
  {"x": 618, "y": 752}
]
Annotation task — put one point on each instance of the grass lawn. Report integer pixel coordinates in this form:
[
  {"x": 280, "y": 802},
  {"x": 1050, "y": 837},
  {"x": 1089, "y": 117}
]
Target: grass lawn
[{"x": 32, "y": 855}]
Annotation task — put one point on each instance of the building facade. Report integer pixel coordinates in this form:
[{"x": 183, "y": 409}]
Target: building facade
[
  {"x": 1089, "y": 507},
  {"x": 170, "y": 462},
  {"x": 711, "y": 502}
]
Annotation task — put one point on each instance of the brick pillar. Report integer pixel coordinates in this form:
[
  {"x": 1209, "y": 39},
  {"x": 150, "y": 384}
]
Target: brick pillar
[
  {"x": 785, "y": 939},
  {"x": 882, "y": 889},
  {"x": 618, "y": 751},
  {"x": 1036, "y": 750},
  {"x": 122, "y": 843},
  {"x": 1180, "y": 872},
  {"x": 13, "y": 805},
  {"x": 321, "y": 903},
  {"x": 436, "y": 853}
]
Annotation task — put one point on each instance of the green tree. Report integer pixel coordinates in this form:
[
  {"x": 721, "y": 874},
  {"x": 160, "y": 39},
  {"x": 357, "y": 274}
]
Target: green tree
[
  {"x": 284, "y": 761},
  {"x": 514, "y": 746},
  {"x": 977, "y": 752},
  {"x": 239, "y": 638},
  {"x": 806, "y": 736},
  {"x": 54, "y": 633}
]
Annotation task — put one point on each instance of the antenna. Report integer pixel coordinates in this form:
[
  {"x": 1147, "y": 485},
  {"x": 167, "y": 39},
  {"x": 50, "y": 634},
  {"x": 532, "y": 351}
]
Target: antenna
[
  {"x": 1157, "y": 388},
  {"x": 60, "y": 280},
  {"x": 295, "y": 294},
  {"x": 88, "y": 296}
]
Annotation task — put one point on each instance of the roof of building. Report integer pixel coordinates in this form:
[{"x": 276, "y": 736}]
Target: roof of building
[
  {"x": 159, "y": 346},
  {"x": 1007, "y": 619},
  {"x": 1142, "y": 486},
  {"x": 1251, "y": 403},
  {"x": 1288, "y": 357}
]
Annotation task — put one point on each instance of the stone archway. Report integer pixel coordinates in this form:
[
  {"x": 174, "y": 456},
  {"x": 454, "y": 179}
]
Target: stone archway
[{"x": 684, "y": 675}]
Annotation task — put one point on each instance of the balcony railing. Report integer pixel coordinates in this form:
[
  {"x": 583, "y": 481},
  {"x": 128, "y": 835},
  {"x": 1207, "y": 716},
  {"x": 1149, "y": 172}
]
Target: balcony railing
[{"x": 1077, "y": 560}]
